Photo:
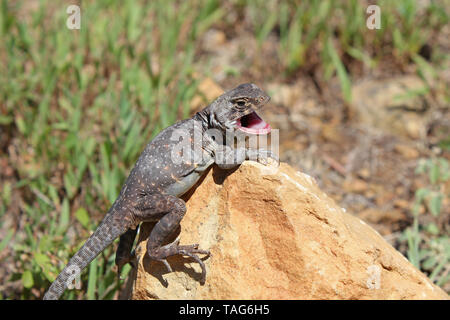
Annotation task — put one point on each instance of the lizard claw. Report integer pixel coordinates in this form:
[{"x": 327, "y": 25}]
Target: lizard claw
[
  {"x": 262, "y": 156},
  {"x": 169, "y": 268},
  {"x": 119, "y": 272},
  {"x": 189, "y": 251},
  {"x": 186, "y": 250},
  {"x": 131, "y": 259}
]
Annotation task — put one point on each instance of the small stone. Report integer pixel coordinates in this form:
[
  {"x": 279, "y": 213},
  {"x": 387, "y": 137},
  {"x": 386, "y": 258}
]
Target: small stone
[
  {"x": 355, "y": 185},
  {"x": 364, "y": 173},
  {"x": 213, "y": 40},
  {"x": 415, "y": 128},
  {"x": 379, "y": 216},
  {"x": 402, "y": 204}
]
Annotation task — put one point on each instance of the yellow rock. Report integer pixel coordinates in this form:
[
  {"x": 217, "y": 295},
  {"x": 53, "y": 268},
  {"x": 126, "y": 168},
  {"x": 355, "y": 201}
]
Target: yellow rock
[{"x": 273, "y": 234}]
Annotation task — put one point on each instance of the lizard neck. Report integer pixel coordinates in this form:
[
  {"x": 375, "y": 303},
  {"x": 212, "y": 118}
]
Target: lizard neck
[
  {"x": 204, "y": 117},
  {"x": 209, "y": 118}
]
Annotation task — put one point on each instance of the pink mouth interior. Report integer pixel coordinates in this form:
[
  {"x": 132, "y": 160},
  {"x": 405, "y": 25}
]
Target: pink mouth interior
[{"x": 252, "y": 123}]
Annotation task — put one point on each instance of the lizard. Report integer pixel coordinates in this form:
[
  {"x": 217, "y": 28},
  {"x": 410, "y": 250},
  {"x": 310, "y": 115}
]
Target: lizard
[{"x": 162, "y": 174}]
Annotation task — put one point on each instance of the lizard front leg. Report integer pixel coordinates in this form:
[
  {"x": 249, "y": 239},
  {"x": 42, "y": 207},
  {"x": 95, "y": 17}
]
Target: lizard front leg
[
  {"x": 168, "y": 210},
  {"x": 228, "y": 158}
]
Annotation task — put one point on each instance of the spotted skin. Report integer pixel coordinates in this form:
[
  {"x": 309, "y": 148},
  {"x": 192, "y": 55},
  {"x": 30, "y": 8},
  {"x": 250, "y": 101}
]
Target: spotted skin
[{"x": 152, "y": 190}]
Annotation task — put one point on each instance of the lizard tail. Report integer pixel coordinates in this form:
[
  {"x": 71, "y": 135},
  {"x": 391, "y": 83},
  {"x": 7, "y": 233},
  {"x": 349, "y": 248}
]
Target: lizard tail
[{"x": 105, "y": 234}]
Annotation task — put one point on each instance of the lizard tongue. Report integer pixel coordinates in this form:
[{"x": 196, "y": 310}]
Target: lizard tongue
[{"x": 252, "y": 123}]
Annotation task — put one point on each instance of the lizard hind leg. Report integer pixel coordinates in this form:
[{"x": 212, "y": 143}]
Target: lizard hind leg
[
  {"x": 170, "y": 210},
  {"x": 124, "y": 253}
]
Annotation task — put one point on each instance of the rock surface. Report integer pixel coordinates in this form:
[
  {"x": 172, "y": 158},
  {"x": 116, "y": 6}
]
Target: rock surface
[{"x": 274, "y": 235}]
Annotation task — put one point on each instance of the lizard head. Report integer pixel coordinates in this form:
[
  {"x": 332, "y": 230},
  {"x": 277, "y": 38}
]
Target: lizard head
[{"x": 236, "y": 110}]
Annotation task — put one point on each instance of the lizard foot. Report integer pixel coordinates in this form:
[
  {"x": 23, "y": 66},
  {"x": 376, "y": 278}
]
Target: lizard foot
[
  {"x": 122, "y": 261},
  {"x": 186, "y": 250},
  {"x": 264, "y": 157}
]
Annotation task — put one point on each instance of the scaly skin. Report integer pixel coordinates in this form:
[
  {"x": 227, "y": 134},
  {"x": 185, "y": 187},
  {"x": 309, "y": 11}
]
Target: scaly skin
[{"x": 152, "y": 190}]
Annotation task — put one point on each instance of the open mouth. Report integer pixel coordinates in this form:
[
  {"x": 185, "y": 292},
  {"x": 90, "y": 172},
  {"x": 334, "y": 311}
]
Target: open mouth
[{"x": 252, "y": 123}]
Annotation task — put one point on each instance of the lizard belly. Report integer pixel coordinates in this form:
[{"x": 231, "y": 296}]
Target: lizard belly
[{"x": 183, "y": 185}]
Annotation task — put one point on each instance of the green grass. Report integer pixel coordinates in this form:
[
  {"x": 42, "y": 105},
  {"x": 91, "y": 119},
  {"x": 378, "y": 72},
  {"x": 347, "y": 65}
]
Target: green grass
[
  {"x": 429, "y": 243},
  {"x": 332, "y": 29},
  {"x": 83, "y": 104},
  {"x": 77, "y": 107}
]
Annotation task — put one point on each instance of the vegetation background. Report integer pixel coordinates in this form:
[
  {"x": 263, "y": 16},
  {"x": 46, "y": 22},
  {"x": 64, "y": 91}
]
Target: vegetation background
[{"x": 364, "y": 111}]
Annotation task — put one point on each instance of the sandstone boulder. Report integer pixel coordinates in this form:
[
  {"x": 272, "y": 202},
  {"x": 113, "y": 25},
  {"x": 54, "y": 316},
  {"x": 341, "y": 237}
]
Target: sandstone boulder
[{"x": 274, "y": 235}]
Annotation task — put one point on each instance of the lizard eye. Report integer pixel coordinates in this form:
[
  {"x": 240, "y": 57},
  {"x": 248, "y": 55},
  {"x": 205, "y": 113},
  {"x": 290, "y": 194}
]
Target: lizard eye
[{"x": 241, "y": 103}]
